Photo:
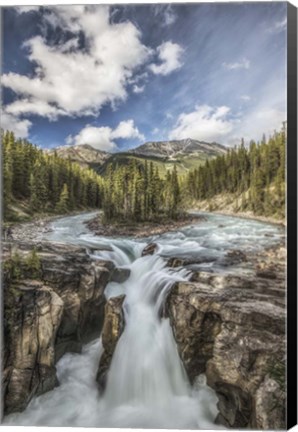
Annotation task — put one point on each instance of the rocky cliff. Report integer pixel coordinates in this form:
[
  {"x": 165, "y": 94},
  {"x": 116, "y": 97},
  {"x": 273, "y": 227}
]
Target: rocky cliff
[
  {"x": 229, "y": 325},
  {"x": 232, "y": 328},
  {"x": 52, "y": 305},
  {"x": 111, "y": 332}
]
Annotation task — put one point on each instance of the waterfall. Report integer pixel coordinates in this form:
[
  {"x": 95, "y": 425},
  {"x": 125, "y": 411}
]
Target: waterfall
[
  {"x": 147, "y": 386},
  {"x": 146, "y": 367}
]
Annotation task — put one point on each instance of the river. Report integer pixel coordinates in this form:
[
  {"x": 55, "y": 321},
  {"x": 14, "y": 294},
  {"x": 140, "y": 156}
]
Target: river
[{"x": 147, "y": 386}]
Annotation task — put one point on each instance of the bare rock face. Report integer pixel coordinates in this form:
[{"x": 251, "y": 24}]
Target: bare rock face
[
  {"x": 269, "y": 406},
  {"x": 32, "y": 320},
  {"x": 80, "y": 282},
  {"x": 47, "y": 317},
  {"x": 112, "y": 330},
  {"x": 232, "y": 328}
]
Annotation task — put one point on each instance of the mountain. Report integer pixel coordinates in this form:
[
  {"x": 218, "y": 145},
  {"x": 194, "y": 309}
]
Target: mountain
[
  {"x": 176, "y": 149},
  {"x": 85, "y": 155},
  {"x": 185, "y": 154}
]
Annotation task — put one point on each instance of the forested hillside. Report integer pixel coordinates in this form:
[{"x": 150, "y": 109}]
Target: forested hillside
[
  {"x": 45, "y": 183},
  {"x": 254, "y": 177}
]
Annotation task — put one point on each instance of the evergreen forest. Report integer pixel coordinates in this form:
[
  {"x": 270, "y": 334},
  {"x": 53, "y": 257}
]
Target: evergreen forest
[
  {"x": 254, "y": 175},
  {"x": 46, "y": 183}
]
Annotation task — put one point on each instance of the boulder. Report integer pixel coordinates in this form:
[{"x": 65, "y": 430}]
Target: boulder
[
  {"x": 150, "y": 249},
  {"x": 233, "y": 257},
  {"x": 190, "y": 260},
  {"x": 120, "y": 275},
  {"x": 112, "y": 329}
]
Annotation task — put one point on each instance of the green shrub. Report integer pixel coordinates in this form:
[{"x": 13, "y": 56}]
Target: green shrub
[
  {"x": 33, "y": 264},
  {"x": 277, "y": 371},
  {"x": 14, "y": 266},
  {"x": 17, "y": 268}
]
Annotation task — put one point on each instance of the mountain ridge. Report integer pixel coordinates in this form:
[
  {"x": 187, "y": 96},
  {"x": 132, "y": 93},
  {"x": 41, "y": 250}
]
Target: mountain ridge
[
  {"x": 185, "y": 154},
  {"x": 177, "y": 147},
  {"x": 84, "y": 154}
]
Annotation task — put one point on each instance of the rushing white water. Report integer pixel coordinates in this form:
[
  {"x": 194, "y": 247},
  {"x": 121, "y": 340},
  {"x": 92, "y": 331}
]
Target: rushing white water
[{"x": 147, "y": 386}]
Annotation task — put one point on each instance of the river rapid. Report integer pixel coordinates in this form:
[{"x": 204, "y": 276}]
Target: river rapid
[{"x": 147, "y": 386}]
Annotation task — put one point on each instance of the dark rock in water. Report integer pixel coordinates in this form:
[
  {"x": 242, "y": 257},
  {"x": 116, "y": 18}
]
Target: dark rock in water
[
  {"x": 150, "y": 249},
  {"x": 112, "y": 329},
  {"x": 120, "y": 275},
  {"x": 93, "y": 249},
  {"x": 232, "y": 328},
  {"x": 221, "y": 226},
  {"x": 232, "y": 257},
  {"x": 175, "y": 262},
  {"x": 45, "y": 318},
  {"x": 189, "y": 260}
]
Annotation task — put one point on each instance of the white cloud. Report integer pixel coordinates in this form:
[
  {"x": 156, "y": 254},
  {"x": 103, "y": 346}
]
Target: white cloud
[
  {"x": 126, "y": 129},
  {"x": 138, "y": 89},
  {"x": 98, "y": 137},
  {"x": 205, "y": 123},
  {"x": 254, "y": 124},
  {"x": 211, "y": 124},
  {"x": 169, "y": 54},
  {"x": 228, "y": 125},
  {"x": 245, "y": 98},
  {"x": 102, "y": 138},
  {"x": 242, "y": 64},
  {"x": 26, "y": 9},
  {"x": 278, "y": 26},
  {"x": 34, "y": 106},
  {"x": 165, "y": 14},
  {"x": 169, "y": 16},
  {"x": 14, "y": 124},
  {"x": 73, "y": 81},
  {"x": 265, "y": 115}
]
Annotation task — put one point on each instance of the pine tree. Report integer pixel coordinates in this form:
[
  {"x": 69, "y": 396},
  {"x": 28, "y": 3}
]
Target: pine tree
[
  {"x": 33, "y": 264},
  {"x": 7, "y": 174},
  {"x": 256, "y": 174},
  {"x": 34, "y": 200},
  {"x": 63, "y": 203},
  {"x": 175, "y": 192}
]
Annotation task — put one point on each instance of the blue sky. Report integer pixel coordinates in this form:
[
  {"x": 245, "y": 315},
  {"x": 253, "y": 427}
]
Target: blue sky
[{"x": 117, "y": 76}]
